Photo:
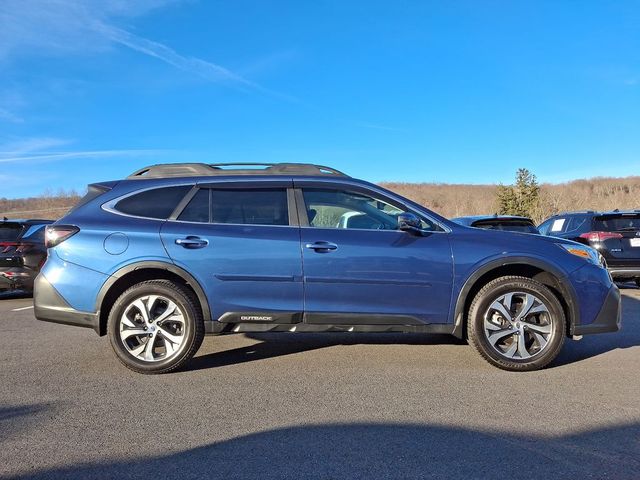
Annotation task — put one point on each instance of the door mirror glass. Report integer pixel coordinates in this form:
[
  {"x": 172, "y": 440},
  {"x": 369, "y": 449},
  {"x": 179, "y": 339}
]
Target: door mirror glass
[{"x": 408, "y": 221}]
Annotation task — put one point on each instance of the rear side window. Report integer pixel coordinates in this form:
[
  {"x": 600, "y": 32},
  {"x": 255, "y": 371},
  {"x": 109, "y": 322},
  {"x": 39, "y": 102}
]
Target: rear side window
[
  {"x": 155, "y": 203},
  {"x": 577, "y": 222},
  {"x": 617, "y": 223},
  {"x": 250, "y": 206},
  {"x": 10, "y": 232},
  {"x": 198, "y": 208}
]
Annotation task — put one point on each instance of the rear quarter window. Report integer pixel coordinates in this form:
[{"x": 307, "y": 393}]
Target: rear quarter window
[{"x": 155, "y": 203}]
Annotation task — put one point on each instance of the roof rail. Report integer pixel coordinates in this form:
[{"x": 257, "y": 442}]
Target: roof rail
[{"x": 214, "y": 169}]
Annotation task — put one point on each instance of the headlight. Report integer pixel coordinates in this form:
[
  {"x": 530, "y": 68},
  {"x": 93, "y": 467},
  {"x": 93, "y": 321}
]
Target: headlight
[{"x": 588, "y": 253}]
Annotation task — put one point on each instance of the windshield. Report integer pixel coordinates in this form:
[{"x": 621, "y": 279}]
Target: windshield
[
  {"x": 9, "y": 232},
  {"x": 617, "y": 223}
]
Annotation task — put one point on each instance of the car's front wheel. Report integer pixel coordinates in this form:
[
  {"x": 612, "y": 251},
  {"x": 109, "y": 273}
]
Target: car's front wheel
[
  {"x": 516, "y": 323},
  {"x": 155, "y": 326}
]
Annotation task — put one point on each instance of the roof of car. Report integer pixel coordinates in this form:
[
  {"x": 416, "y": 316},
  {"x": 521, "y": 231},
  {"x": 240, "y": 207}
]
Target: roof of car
[
  {"x": 169, "y": 170},
  {"x": 596, "y": 213}
]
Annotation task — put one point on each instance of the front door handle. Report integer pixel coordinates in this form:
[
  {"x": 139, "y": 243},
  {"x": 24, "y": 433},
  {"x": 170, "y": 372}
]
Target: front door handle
[
  {"x": 192, "y": 242},
  {"x": 322, "y": 246}
]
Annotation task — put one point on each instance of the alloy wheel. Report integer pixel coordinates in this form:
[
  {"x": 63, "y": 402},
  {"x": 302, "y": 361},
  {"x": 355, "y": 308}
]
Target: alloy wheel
[
  {"x": 152, "y": 328},
  {"x": 518, "y": 325}
]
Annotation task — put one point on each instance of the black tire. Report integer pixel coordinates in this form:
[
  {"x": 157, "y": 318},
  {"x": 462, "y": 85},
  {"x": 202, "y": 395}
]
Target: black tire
[
  {"x": 554, "y": 321},
  {"x": 637, "y": 280},
  {"x": 192, "y": 332}
]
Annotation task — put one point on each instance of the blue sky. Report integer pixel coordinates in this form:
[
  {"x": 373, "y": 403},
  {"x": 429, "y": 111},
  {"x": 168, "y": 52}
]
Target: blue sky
[{"x": 445, "y": 91}]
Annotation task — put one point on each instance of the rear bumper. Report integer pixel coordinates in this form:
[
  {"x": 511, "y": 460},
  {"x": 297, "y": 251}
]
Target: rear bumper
[
  {"x": 49, "y": 306},
  {"x": 16, "y": 278},
  {"x": 609, "y": 317},
  {"x": 624, "y": 272}
]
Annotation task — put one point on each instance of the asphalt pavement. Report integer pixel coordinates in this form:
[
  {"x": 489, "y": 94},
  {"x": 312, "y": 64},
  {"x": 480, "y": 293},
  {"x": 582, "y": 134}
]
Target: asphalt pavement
[{"x": 315, "y": 406}]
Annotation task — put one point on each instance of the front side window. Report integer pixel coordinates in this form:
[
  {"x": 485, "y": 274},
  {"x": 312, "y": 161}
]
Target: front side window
[
  {"x": 155, "y": 203},
  {"x": 343, "y": 209},
  {"x": 557, "y": 225}
]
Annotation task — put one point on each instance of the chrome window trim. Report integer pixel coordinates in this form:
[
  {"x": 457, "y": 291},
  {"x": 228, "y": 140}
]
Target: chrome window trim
[{"x": 109, "y": 206}]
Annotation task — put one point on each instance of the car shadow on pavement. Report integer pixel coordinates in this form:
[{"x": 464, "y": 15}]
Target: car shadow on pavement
[
  {"x": 13, "y": 419},
  {"x": 592, "y": 345},
  {"x": 382, "y": 450},
  {"x": 280, "y": 344}
]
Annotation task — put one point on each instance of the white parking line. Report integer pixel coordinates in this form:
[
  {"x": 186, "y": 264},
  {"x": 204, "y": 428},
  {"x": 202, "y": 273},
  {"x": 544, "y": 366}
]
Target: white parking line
[{"x": 23, "y": 308}]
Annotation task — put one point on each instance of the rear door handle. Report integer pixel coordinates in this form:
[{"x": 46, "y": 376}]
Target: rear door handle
[
  {"x": 192, "y": 242},
  {"x": 322, "y": 246}
]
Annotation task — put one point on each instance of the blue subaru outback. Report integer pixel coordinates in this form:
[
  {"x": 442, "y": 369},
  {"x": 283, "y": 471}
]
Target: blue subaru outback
[{"x": 175, "y": 251}]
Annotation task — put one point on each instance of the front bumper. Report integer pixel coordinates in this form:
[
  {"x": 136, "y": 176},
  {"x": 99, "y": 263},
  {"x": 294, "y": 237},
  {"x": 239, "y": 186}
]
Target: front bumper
[
  {"x": 49, "y": 306},
  {"x": 609, "y": 317}
]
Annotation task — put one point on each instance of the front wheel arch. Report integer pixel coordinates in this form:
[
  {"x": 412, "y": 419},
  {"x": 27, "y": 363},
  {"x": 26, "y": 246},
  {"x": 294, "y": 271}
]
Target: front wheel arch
[{"x": 545, "y": 273}]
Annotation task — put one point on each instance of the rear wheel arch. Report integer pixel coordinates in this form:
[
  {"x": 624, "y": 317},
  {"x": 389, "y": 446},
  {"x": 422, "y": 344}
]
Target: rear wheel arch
[
  {"x": 545, "y": 273},
  {"x": 140, "y": 272}
]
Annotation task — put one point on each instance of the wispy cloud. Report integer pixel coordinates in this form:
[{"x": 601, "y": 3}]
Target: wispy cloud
[
  {"x": 88, "y": 26},
  {"x": 79, "y": 154},
  {"x": 44, "y": 149},
  {"x": 204, "y": 69}
]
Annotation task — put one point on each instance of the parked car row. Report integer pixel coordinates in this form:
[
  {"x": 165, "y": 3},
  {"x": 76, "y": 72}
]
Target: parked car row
[
  {"x": 172, "y": 252},
  {"x": 615, "y": 235},
  {"x": 22, "y": 253}
]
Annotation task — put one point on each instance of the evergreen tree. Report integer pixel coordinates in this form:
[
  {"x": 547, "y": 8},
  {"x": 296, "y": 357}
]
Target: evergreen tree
[{"x": 522, "y": 198}]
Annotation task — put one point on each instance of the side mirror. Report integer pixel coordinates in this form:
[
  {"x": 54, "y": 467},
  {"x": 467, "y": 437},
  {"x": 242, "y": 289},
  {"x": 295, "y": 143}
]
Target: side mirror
[{"x": 409, "y": 222}]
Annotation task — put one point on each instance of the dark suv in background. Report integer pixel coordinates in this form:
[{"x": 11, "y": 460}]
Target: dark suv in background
[
  {"x": 22, "y": 252},
  {"x": 615, "y": 234}
]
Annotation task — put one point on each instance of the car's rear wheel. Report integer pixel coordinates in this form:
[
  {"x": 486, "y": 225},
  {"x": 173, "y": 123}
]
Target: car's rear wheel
[
  {"x": 516, "y": 324},
  {"x": 155, "y": 326}
]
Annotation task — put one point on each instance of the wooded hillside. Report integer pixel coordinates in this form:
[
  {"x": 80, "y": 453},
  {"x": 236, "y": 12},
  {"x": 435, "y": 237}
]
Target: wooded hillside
[{"x": 450, "y": 200}]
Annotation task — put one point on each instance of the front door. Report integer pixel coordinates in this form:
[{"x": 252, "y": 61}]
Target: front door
[
  {"x": 355, "y": 261},
  {"x": 242, "y": 247}
]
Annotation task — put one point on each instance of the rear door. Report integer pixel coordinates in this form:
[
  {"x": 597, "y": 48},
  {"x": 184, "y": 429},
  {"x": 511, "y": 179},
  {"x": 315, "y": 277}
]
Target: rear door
[
  {"x": 357, "y": 262},
  {"x": 242, "y": 243}
]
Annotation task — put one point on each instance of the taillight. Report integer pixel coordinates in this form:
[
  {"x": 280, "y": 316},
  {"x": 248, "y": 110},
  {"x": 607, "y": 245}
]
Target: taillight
[
  {"x": 600, "y": 236},
  {"x": 56, "y": 234}
]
